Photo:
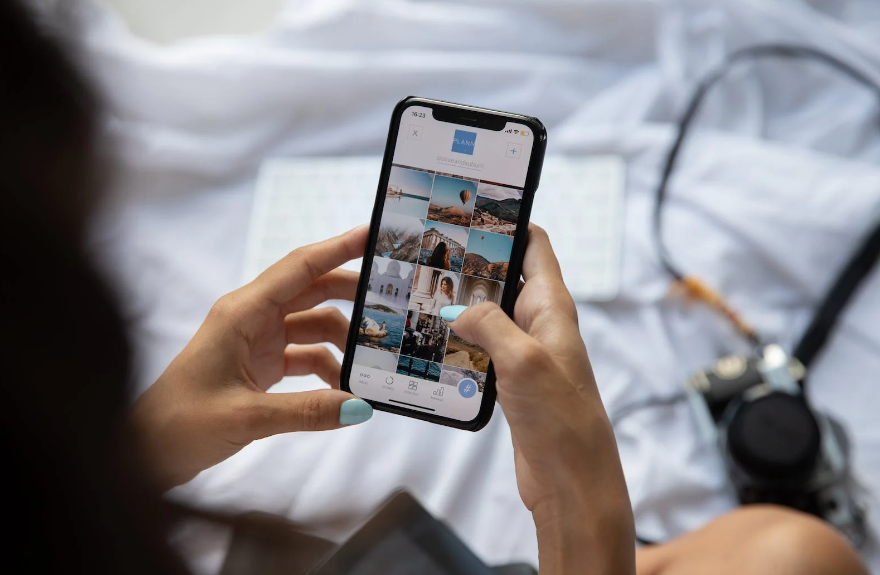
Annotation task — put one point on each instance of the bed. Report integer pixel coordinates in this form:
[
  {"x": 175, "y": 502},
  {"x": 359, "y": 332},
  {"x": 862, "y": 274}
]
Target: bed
[{"x": 778, "y": 183}]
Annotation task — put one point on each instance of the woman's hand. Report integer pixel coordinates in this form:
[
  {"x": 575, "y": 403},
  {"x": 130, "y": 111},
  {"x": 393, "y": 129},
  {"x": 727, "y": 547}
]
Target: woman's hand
[
  {"x": 212, "y": 401},
  {"x": 567, "y": 466}
]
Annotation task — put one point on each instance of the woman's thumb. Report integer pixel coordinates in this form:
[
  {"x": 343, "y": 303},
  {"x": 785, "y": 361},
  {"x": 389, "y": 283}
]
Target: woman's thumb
[{"x": 487, "y": 326}]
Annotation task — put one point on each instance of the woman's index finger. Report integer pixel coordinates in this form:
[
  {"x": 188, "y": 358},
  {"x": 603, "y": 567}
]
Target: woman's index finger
[
  {"x": 287, "y": 278},
  {"x": 540, "y": 259},
  {"x": 541, "y": 267}
]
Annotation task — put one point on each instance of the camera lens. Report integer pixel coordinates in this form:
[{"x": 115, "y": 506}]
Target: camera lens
[{"x": 775, "y": 437}]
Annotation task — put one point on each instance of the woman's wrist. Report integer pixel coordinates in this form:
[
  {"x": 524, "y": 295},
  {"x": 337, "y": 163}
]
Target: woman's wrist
[
  {"x": 585, "y": 522},
  {"x": 157, "y": 423},
  {"x": 585, "y": 533}
]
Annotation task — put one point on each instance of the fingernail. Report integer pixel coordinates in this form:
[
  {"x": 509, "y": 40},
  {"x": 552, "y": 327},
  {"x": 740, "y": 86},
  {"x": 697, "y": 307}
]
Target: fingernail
[
  {"x": 451, "y": 312},
  {"x": 354, "y": 411}
]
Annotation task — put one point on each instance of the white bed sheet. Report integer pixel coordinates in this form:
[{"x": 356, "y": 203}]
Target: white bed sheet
[{"x": 778, "y": 185}]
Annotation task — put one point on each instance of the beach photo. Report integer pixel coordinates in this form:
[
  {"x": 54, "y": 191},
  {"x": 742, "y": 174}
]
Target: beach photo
[
  {"x": 443, "y": 246},
  {"x": 466, "y": 355},
  {"x": 381, "y": 327},
  {"x": 424, "y": 336},
  {"x": 390, "y": 282},
  {"x": 420, "y": 368},
  {"x": 497, "y": 209},
  {"x": 454, "y": 375},
  {"x": 408, "y": 192},
  {"x": 488, "y": 255},
  {"x": 369, "y": 357},
  {"x": 433, "y": 289},
  {"x": 452, "y": 201},
  {"x": 400, "y": 237},
  {"x": 474, "y": 290}
]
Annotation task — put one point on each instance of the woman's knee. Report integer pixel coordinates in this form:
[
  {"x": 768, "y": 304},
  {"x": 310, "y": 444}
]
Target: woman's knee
[
  {"x": 757, "y": 540},
  {"x": 799, "y": 544}
]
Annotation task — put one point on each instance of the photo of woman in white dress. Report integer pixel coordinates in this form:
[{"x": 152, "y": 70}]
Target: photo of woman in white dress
[
  {"x": 444, "y": 296},
  {"x": 433, "y": 289}
]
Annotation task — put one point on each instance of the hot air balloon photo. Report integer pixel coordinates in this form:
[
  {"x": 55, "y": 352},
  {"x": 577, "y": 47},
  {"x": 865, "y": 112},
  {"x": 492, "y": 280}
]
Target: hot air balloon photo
[{"x": 452, "y": 201}]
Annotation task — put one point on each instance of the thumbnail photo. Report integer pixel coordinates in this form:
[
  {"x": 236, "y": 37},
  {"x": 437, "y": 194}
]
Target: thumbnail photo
[
  {"x": 466, "y": 355},
  {"x": 424, "y": 336},
  {"x": 473, "y": 290},
  {"x": 390, "y": 283},
  {"x": 488, "y": 255},
  {"x": 443, "y": 246},
  {"x": 454, "y": 375},
  {"x": 408, "y": 192},
  {"x": 497, "y": 209},
  {"x": 418, "y": 368},
  {"x": 452, "y": 201},
  {"x": 433, "y": 290},
  {"x": 381, "y": 327},
  {"x": 399, "y": 237},
  {"x": 369, "y": 357}
]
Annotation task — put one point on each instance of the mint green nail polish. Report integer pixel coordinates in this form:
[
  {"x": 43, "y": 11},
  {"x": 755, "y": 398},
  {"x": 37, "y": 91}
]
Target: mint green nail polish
[
  {"x": 355, "y": 411},
  {"x": 451, "y": 312}
]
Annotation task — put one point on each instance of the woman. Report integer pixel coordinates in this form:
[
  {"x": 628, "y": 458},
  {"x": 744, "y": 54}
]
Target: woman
[
  {"x": 85, "y": 470},
  {"x": 440, "y": 257},
  {"x": 443, "y": 298}
]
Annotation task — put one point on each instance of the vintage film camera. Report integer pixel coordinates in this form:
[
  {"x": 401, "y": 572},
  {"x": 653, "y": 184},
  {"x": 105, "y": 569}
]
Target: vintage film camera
[{"x": 776, "y": 447}]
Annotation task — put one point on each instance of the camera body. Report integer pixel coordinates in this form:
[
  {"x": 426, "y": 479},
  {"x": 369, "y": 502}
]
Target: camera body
[{"x": 776, "y": 448}]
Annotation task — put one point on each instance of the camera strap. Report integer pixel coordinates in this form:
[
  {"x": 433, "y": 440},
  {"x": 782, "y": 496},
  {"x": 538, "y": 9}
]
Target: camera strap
[{"x": 850, "y": 277}]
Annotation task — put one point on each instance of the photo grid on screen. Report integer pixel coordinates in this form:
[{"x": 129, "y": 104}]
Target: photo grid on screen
[{"x": 443, "y": 240}]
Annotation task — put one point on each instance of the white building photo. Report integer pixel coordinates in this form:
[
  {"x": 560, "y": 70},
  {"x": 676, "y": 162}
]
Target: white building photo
[{"x": 390, "y": 283}]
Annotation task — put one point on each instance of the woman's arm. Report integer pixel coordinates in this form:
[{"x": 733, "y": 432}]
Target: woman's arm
[{"x": 567, "y": 466}]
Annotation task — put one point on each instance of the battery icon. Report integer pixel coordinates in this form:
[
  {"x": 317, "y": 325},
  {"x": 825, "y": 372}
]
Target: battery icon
[{"x": 523, "y": 133}]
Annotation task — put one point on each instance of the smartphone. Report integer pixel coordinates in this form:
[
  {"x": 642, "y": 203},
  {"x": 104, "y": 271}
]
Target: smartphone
[{"x": 449, "y": 227}]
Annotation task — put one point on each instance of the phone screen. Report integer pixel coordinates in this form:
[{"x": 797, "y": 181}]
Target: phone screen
[{"x": 451, "y": 209}]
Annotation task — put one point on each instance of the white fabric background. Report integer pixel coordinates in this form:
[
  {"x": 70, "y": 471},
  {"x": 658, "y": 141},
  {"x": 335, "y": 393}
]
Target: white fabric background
[{"x": 772, "y": 194}]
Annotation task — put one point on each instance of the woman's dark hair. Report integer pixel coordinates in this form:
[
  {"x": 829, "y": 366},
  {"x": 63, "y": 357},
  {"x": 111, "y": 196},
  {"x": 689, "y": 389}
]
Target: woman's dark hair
[
  {"x": 77, "y": 500},
  {"x": 440, "y": 257}
]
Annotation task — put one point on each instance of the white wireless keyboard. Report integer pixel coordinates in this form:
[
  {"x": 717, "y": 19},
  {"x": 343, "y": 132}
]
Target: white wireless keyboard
[{"x": 579, "y": 202}]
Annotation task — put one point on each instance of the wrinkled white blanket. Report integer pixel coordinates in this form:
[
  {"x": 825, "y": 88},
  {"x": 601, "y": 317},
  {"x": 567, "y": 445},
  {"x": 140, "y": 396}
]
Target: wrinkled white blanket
[{"x": 772, "y": 194}]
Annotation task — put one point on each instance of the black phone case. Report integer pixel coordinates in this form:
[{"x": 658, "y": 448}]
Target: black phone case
[{"x": 468, "y": 116}]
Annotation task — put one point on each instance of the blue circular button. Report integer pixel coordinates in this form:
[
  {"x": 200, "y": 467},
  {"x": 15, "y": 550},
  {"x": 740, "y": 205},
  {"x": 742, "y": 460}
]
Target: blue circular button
[{"x": 467, "y": 387}]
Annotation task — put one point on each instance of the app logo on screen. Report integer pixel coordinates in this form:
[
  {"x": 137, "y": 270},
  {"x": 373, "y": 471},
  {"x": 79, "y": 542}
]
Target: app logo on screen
[{"x": 463, "y": 142}]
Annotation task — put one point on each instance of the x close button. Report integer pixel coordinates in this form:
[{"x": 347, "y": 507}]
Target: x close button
[{"x": 415, "y": 132}]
